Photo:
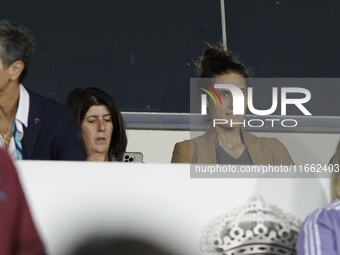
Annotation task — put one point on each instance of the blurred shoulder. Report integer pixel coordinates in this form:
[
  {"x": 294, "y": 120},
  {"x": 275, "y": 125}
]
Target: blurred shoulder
[{"x": 5, "y": 160}]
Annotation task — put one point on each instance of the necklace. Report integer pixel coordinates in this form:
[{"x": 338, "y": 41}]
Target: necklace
[{"x": 5, "y": 136}]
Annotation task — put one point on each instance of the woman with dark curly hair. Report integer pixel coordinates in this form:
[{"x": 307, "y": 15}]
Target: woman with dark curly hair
[
  {"x": 228, "y": 143},
  {"x": 99, "y": 123}
]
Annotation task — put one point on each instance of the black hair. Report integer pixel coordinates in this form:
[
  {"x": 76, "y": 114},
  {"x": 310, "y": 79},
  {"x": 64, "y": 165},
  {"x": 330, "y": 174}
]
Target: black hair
[
  {"x": 216, "y": 60},
  {"x": 80, "y": 100}
]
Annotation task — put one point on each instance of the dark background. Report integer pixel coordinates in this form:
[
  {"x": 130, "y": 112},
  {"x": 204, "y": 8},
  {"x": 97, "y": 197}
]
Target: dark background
[{"x": 142, "y": 52}]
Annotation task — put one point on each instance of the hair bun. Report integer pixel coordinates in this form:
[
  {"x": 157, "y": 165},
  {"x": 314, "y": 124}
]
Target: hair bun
[{"x": 216, "y": 60}]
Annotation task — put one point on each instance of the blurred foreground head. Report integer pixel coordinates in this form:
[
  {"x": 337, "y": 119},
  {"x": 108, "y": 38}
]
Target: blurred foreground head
[{"x": 118, "y": 246}]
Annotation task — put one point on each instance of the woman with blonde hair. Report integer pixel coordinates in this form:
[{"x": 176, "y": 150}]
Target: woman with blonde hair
[{"x": 320, "y": 233}]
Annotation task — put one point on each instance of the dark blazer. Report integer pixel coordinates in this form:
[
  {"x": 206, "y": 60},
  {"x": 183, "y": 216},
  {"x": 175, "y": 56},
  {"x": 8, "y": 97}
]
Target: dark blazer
[{"x": 50, "y": 134}]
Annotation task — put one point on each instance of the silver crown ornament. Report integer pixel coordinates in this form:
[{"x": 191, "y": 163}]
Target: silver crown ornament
[{"x": 255, "y": 228}]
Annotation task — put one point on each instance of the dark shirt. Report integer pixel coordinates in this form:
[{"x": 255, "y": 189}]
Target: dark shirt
[{"x": 222, "y": 157}]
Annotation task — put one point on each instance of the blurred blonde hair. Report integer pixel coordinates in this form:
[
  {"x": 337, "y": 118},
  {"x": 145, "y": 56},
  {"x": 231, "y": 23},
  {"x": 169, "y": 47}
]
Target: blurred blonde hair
[{"x": 335, "y": 181}]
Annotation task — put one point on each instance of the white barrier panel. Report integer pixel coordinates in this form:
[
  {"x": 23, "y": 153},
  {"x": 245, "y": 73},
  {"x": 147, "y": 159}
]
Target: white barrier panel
[{"x": 71, "y": 201}]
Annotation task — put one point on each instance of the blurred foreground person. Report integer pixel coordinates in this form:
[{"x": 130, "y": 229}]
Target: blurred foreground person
[
  {"x": 99, "y": 123},
  {"x": 320, "y": 233},
  {"x": 227, "y": 143},
  {"x": 120, "y": 246},
  {"x": 18, "y": 235}
]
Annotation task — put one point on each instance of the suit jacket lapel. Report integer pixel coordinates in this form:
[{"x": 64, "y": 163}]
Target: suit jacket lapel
[
  {"x": 256, "y": 150},
  {"x": 35, "y": 121},
  {"x": 206, "y": 153}
]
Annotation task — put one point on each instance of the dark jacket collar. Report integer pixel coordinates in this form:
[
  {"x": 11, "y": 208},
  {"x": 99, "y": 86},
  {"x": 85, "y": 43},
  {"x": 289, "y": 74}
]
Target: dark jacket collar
[{"x": 35, "y": 121}]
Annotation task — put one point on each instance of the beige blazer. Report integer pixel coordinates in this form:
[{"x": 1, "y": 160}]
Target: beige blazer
[{"x": 201, "y": 150}]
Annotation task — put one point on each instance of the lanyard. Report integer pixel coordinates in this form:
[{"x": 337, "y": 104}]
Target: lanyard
[{"x": 17, "y": 141}]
